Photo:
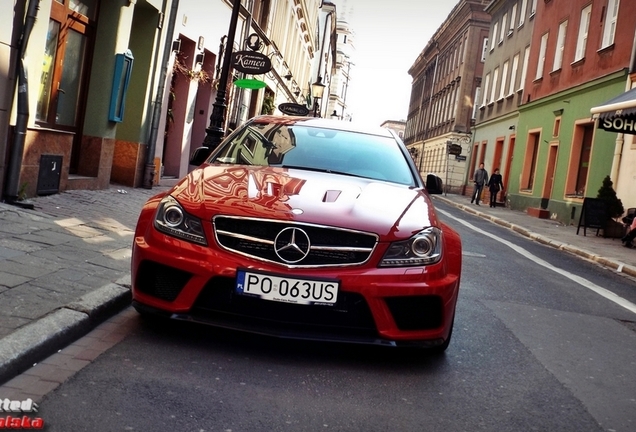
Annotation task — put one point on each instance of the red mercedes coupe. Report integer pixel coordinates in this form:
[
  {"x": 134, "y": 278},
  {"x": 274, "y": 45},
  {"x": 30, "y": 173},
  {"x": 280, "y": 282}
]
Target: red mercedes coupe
[{"x": 305, "y": 228}]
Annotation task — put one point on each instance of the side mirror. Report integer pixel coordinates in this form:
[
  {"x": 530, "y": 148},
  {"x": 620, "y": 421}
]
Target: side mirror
[
  {"x": 434, "y": 184},
  {"x": 199, "y": 155}
]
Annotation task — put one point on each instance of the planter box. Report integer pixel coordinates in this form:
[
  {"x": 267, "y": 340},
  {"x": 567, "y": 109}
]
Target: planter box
[{"x": 613, "y": 229}]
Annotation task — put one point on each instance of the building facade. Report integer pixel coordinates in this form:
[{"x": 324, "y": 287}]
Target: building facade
[
  {"x": 505, "y": 55},
  {"x": 345, "y": 51},
  {"x": 581, "y": 55},
  {"x": 446, "y": 78},
  {"x": 122, "y": 91}
]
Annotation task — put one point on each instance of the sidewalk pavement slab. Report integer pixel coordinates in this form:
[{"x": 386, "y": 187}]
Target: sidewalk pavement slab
[
  {"x": 64, "y": 268},
  {"x": 65, "y": 264}
]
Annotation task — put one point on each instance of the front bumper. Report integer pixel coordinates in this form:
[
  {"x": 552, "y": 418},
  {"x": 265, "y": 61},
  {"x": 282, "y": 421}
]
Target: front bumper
[{"x": 378, "y": 306}]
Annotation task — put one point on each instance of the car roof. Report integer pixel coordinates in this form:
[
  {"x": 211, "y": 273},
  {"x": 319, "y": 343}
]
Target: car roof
[{"x": 323, "y": 123}]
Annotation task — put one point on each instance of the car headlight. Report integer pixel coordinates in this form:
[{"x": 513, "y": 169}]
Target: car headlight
[
  {"x": 424, "y": 248},
  {"x": 171, "y": 219}
]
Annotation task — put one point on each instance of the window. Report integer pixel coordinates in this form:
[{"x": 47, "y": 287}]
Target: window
[
  {"x": 584, "y": 26},
  {"x": 533, "y": 7},
  {"x": 513, "y": 17},
  {"x": 558, "y": 54},
  {"x": 609, "y": 27},
  {"x": 495, "y": 30},
  {"x": 502, "y": 33},
  {"x": 530, "y": 162},
  {"x": 486, "y": 84},
  {"x": 579, "y": 159},
  {"x": 260, "y": 13},
  {"x": 513, "y": 74},
  {"x": 524, "y": 68},
  {"x": 495, "y": 77},
  {"x": 484, "y": 50},
  {"x": 556, "y": 129},
  {"x": 541, "y": 60},
  {"x": 504, "y": 80},
  {"x": 63, "y": 78},
  {"x": 522, "y": 12},
  {"x": 477, "y": 101}
]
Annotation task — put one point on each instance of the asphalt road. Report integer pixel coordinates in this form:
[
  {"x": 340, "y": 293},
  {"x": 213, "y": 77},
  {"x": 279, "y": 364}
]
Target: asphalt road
[{"x": 543, "y": 341}]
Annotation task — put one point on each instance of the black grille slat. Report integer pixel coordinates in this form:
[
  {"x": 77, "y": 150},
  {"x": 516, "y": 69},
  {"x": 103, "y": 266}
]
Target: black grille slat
[{"x": 330, "y": 246}]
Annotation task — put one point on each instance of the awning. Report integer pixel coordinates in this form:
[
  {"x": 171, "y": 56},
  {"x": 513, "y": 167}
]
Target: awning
[{"x": 618, "y": 114}]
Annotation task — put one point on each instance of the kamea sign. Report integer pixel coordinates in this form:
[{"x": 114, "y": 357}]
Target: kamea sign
[{"x": 251, "y": 62}]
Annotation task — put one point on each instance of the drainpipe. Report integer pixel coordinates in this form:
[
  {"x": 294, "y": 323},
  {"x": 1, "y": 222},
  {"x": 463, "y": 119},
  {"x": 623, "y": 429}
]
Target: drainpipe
[
  {"x": 22, "y": 119},
  {"x": 149, "y": 172}
]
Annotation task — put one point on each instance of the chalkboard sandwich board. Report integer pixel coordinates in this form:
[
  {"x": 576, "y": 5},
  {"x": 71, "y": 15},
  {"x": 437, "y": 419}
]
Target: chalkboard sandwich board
[{"x": 593, "y": 215}]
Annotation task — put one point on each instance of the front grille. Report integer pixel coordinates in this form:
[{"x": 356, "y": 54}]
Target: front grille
[
  {"x": 416, "y": 312},
  {"x": 161, "y": 281},
  {"x": 314, "y": 245},
  {"x": 350, "y": 316}
]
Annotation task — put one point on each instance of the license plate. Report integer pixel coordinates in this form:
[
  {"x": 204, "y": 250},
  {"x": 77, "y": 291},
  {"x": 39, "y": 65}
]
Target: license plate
[{"x": 287, "y": 289}]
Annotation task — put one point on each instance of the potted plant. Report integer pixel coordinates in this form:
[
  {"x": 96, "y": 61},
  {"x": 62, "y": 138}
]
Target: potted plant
[{"x": 613, "y": 228}]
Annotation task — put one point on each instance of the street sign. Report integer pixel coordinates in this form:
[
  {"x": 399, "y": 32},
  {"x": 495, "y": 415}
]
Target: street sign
[{"x": 460, "y": 158}]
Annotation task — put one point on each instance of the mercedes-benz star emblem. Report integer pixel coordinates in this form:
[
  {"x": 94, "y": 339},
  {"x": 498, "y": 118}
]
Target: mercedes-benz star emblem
[{"x": 292, "y": 245}]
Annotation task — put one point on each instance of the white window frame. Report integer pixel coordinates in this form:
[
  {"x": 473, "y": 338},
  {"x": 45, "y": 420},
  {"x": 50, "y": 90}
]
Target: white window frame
[
  {"x": 513, "y": 74},
  {"x": 486, "y": 85},
  {"x": 524, "y": 68},
  {"x": 493, "y": 89},
  {"x": 609, "y": 25},
  {"x": 522, "y": 12},
  {"x": 495, "y": 29},
  {"x": 504, "y": 80},
  {"x": 502, "y": 31},
  {"x": 477, "y": 102},
  {"x": 584, "y": 27},
  {"x": 541, "y": 60},
  {"x": 533, "y": 7},
  {"x": 484, "y": 50},
  {"x": 560, "y": 46},
  {"x": 513, "y": 17}
]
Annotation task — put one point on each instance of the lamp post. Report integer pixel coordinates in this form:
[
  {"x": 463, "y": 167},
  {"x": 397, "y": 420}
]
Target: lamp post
[
  {"x": 214, "y": 132},
  {"x": 317, "y": 90}
]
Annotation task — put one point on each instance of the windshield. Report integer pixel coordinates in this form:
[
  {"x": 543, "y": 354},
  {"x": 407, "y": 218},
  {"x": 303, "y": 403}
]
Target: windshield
[{"x": 318, "y": 149}]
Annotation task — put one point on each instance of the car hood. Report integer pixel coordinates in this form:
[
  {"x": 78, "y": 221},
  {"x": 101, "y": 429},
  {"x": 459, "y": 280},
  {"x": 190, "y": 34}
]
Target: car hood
[{"x": 390, "y": 210}]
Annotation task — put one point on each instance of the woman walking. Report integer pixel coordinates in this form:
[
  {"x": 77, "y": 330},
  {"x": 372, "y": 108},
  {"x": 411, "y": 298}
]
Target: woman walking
[{"x": 495, "y": 184}]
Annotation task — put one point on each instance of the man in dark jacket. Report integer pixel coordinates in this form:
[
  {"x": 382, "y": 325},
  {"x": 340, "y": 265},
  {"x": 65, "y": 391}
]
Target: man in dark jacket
[{"x": 480, "y": 179}]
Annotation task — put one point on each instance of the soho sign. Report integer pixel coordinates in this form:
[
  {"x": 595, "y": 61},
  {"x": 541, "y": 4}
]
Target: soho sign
[{"x": 619, "y": 124}]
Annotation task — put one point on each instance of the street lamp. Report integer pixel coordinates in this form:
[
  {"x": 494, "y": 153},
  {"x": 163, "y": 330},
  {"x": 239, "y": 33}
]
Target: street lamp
[
  {"x": 214, "y": 132},
  {"x": 317, "y": 90}
]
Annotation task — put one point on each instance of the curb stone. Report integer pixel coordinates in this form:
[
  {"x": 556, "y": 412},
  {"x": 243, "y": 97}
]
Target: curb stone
[
  {"x": 615, "y": 265},
  {"x": 35, "y": 341}
]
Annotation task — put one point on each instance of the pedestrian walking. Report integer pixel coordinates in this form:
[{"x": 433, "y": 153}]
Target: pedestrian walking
[
  {"x": 495, "y": 184},
  {"x": 480, "y": 178}
]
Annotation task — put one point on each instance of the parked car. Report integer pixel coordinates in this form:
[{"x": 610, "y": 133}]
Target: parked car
[{"x": 304, "y": 228}]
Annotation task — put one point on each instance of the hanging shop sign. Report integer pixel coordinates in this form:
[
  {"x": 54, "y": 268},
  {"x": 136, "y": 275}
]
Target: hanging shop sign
[
  {"x": 253, "y": 42},
  {"x": 619, "y": 124},
  {"x": 293, "y": 109},
  {"x": 250, "y": 83},
  {"x": 250, "y": 62},
  {"x": 454, "y": 149}
]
